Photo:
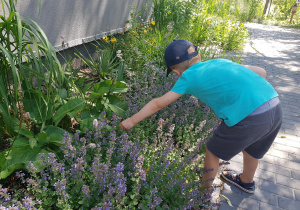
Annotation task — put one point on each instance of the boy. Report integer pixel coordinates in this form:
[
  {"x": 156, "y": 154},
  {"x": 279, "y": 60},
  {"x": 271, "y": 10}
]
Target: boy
[{"x": 247, "y": 104}]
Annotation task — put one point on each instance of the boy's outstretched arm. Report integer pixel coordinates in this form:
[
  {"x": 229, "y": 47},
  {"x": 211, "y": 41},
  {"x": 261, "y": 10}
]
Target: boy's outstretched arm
[{"x": 150, "y": 108}]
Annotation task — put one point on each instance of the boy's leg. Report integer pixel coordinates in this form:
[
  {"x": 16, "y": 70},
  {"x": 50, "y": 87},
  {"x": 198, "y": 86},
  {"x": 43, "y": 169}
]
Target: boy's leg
[
  {"x": 211, "y": 164},
  {"x": 249, "y": 167}
]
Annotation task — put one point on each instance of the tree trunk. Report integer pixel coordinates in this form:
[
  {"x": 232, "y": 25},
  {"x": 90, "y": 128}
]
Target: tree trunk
[{"x": 266, "y": 7}]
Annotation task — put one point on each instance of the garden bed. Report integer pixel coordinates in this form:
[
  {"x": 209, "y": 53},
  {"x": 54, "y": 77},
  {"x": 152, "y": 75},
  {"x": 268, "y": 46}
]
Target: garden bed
[{"x": 51, "y": 163}]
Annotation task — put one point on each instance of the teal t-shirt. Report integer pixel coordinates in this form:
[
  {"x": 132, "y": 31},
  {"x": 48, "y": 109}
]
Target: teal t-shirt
[{"x": 230, "y": 89}]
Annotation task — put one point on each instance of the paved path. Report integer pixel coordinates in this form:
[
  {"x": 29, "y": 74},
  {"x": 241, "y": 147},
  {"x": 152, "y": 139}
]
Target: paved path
[{"x": 277, "y": 179}]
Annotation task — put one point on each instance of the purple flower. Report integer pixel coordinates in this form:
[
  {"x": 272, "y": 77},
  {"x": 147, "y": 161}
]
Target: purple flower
[
  {"x": 86, "y": 190},
  {"x": 60, "y": 186}
]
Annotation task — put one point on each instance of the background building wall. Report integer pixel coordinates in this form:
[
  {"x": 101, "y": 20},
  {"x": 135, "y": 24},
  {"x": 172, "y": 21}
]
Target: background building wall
[{"x": 75, "y": 22}]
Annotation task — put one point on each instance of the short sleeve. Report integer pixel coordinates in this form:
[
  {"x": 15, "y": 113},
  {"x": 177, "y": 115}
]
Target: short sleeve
[{"x": 181, "y": 85}]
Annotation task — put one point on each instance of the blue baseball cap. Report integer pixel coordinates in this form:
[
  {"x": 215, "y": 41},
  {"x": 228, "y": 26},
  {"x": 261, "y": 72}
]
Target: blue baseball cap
[{"x": 177, "y": 52}]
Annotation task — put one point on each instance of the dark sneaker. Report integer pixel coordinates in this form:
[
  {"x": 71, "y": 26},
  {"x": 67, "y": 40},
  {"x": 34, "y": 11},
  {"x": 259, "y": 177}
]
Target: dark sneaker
[{"x": 234, "y": 178}]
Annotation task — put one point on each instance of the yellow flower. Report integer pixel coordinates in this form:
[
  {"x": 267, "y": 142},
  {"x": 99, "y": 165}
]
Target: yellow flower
[
  {"x": 145, "y": 31},
  {"x": 140, "y": 25},
  {"x": 153, "y": 22},
  {"x": 151, "y": 29},
  {"x": 113, "y": 40},
  {"x": 135, "y": 33},
  {"x": 233, "y": 22},
  {"x": 105, "y": 38},
  {"x": 242, "y": 24}
]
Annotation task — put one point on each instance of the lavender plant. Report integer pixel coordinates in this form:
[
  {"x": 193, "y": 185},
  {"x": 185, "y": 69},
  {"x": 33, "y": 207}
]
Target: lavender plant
[{"x": 108, "y": 169}]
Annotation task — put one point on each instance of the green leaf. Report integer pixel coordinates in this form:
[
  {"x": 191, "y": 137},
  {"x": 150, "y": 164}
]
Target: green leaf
[
  {"x": 42, "y": 137},
  {"x": 20, "y": 142},
  {"x": 37, "y": 106},
  {"x": 119, "y": 87},
  {"x": 87, "y": 87},
  {"x": 87, "y": 124},
  {"x": 26, "y": 133},
  {"x": 62, "y": 93},
  {"x": 32, "y": 142},
  {"x": 117, "y": 106},
  {"x": 72, "y": 105},
  {"x": 55, "y": 138},
  {"x": 18, "y": 158},
  {"x": 102, "y": 87},
  {"x": 85, "y": 115},
  {"x": 54, "y": 130}
]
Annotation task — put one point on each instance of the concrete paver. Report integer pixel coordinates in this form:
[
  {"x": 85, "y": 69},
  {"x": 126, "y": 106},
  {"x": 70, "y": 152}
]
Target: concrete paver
[{"x": 276, "y": 49}]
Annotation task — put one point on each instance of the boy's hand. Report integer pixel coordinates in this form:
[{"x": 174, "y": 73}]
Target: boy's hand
[{"x": 126, "y": 124}]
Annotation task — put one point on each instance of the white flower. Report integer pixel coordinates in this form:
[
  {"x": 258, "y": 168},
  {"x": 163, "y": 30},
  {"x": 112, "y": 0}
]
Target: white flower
[
  {"x": 119, "y": 54},
  {"x": 27, "y": 115},
  {"x": 91, "y": 145},
  {"x": 95, "y": 122}
]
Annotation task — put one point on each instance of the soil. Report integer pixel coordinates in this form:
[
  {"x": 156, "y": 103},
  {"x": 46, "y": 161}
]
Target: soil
[{"x": 4, "y": 144}]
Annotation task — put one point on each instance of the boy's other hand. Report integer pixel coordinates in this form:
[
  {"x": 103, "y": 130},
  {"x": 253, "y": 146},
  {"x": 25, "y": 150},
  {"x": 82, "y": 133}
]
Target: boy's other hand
[{"x": 126, "y": 124}]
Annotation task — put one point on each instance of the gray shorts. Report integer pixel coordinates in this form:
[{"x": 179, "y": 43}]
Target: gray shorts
[{"x": 254, "y": 134}]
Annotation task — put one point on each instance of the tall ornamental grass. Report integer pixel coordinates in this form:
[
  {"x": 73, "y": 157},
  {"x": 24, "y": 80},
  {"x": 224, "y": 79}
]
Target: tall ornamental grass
[{"x": 31, "y": 79}]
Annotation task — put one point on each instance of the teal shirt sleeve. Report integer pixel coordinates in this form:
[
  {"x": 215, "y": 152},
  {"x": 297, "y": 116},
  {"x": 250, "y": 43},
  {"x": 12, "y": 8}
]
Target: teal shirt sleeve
[{"x": 181, "y": 85}]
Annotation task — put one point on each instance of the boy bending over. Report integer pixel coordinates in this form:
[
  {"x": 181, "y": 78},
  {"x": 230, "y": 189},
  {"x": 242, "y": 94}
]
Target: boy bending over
[{"x": 247, "y": 104}]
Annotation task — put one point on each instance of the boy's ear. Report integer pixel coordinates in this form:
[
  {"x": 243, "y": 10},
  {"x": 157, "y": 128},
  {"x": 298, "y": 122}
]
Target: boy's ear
[
  {"x": 178, "y": 72},
  {"x": 199, "y": 57}
]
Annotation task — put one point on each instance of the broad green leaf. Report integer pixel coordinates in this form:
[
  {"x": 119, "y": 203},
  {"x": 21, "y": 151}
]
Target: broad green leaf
[
  {"x": 20, "y": 142},
  {"x": 119, "y": 87},
  {"x": 95, "y": 95},
  {"x": 55, "y": 138},
  {"x": 71, "y": 105},
  {"x": 18, "y": 158},
  {"x": 26, "y": 133},
  {"x": 117, "y": 106},
  {"x": 32, "y": 142},
  {"x": 54, "y": 130},
  {"x": 42, "y": 137},
  {"x": 102, "y": 87},
  {"x": 87, "y": 124},
  {"x": 75, "y": 112},
  {"x": 85, "y": 115},
  {"x": 110, "y": 86}
]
